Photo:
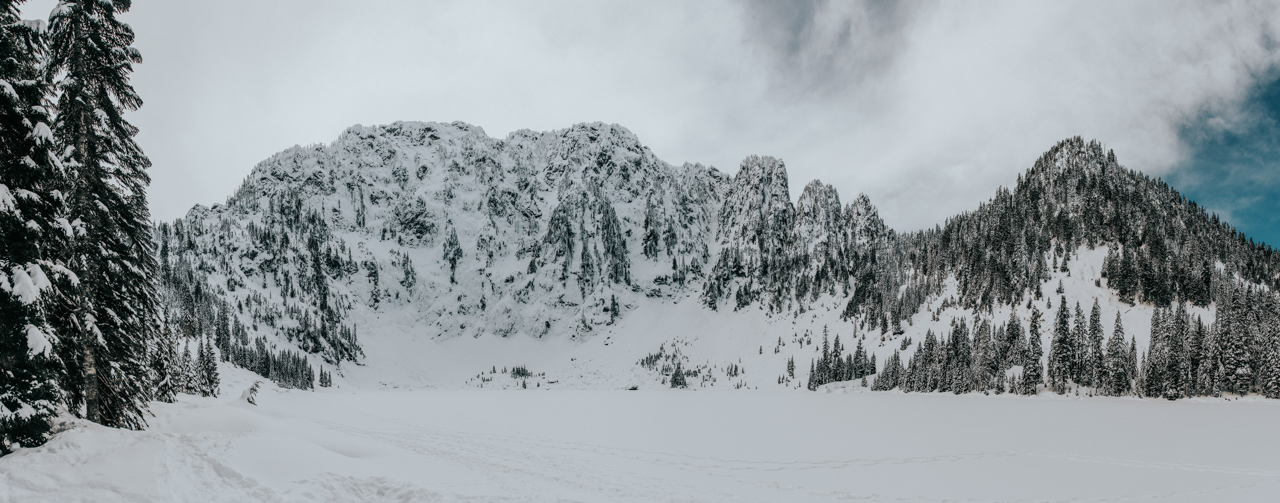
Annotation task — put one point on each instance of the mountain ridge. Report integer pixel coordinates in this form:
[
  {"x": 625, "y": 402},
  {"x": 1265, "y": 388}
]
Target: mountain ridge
[{"x": 568, "y": 231}]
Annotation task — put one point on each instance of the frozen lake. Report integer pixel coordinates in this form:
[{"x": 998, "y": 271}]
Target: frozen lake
[{"x": 662, "y": 445}]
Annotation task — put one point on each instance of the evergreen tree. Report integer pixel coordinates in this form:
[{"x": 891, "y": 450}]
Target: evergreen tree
[
  {"x": 822, "y": 375},
  {"x": 1271, "y": 366},
  {"x": 408, "y": 273},
  {"x": 1177, "y": 371},
  {"x": 1032, "y": 373},
  {"x": 1117, "y": 362},
  {"x": 982, "y": 370},
  {"x": 452, "y": 253},
  {"x": 1131, "y": 369},
  {"x": 834, "y": 368},
  {"x": 186, "y": 371},
  {"x": 1079, "y": 345},
  {"x": 892, "y": 376},
  {"x": 1014, "y": 348},
  {"x": 32, "y": 235},
  {"x": 164, "y": 359},
  {"x": 1237, "y": 358},
  {"x": 859, "y": 361},
  {"x": 222, "y": 330},
  {"x": 209, "y": 380},
  {"x": 1195, "y": 356},
  {"x": 113, "y": 314},
  {"x": 677, "y": 377},
  {"x": 1157, "y": 357},
  {"x": 1095, "y": 366},
  {"x": 1060, "y": 349}
]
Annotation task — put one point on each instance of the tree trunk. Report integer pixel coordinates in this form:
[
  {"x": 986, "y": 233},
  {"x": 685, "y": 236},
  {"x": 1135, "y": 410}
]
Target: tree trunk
[
  {"x": 90, "y": 386},
  {"x": 90, "y": 367}
]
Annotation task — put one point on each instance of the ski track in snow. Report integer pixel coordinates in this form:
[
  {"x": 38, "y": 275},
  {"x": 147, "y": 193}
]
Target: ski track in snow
[{"x": 659, "y": 445}]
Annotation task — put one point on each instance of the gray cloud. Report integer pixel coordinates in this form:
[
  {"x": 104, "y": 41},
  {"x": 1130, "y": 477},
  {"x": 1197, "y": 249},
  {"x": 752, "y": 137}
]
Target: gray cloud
[
  {"x": 821, "y": 46},
  {"x": 926, "y": 107}
]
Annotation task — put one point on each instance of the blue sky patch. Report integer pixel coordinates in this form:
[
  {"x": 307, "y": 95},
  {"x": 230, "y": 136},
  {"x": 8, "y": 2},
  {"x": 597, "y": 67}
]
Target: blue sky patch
[{"x": 1233, "y": 166}]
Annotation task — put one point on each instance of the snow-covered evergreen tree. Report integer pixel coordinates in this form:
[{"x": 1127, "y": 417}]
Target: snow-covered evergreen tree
[
  {"x": 677, "y": 377},
  {"x": 33, "y": 232},
  {"x": 1117, "y": 362},
  {"x": 164, "y": 362},
  {"x": 186, "y": 371},
  {"x": 1237, "y": 357},
  {"x": 1061, "y": 349},
  {"x": 1032, "y": 368},
  {"x": 1095, "y": 362},
  {"x": 1079, "y": 346},
  {"x": 112, "y": 316},
  {"x": 207, "y": 364}
]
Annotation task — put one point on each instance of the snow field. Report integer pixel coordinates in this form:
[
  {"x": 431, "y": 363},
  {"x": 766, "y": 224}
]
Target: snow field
[{"x": 660, "y": 445}]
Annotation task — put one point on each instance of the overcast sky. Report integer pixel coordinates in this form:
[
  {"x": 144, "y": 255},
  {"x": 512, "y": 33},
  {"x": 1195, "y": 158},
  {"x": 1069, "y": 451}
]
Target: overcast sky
[{"x": 926, "y": 107}]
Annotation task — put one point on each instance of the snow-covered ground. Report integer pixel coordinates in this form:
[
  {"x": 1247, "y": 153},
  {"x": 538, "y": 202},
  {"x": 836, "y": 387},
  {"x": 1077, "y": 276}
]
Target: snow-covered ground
[
  {"x": 429, "y": 418},
  {"x": 660, "y": 445}
]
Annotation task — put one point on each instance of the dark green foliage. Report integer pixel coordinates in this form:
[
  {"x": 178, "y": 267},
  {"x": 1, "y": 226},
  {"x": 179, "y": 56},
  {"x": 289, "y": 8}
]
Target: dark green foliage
[
  {"x": 1061, "y": 349},
  {"x": 163, "y": 359},
  {"x": 1032, "y": 368},
  {"x": 1094, "y": 364},
  {"x": 520, "y": 372},
  {"x": 1118, "y": 377},
  {"x": 893, "y": 375},
  {"x": 207, "y": 370},
  {"x": 677, "y": 377},
  {"x": 112, "y": 316},
  {"x": 452, "y": 254},
  {"x": 1238, "y": 331},
  {"x": 33, "y": 237},
  {"x": 833, "y": 365}
]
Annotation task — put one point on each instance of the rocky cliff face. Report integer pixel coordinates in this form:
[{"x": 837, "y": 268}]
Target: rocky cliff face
[
  {"x": 820, "y": 244},
  {"x": 535, "y": 234},
  {"x": 755, "y": 237}
]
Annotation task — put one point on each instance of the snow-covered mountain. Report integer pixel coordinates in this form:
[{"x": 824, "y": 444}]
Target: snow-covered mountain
[{"x": 400, "y": 243}]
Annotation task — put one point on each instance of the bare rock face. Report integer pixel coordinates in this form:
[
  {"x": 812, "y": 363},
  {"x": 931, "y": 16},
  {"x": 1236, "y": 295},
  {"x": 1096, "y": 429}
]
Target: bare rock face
[
  {"x": 537, "y": 234},
  {"x": 819, "y": 244},
  {"x": 534, "y": 234},
  {"x": 756, "y": 236}
]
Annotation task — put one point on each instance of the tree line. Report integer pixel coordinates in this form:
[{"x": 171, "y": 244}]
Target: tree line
[{"x": 1239, "y": 353}]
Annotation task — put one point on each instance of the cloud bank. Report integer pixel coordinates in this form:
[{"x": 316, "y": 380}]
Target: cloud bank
[{"x": 926, "y": 107}]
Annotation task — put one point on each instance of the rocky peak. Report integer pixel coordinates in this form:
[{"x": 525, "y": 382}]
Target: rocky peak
[
  {"x": 819, "y": 243},
  {"x": 818, "y": 215},
  {"x": 862, "y": 223},
  {"x": 757, "y": 223}
]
